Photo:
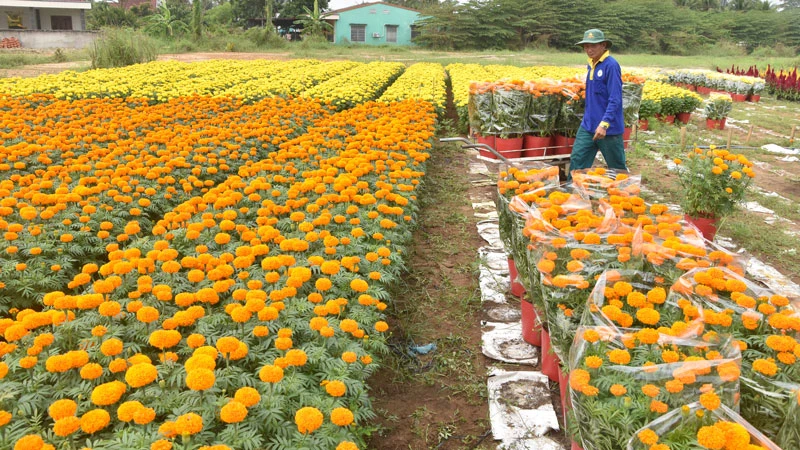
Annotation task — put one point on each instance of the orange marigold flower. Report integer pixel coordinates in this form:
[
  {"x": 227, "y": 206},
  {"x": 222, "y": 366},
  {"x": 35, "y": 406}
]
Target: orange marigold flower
[
  {"x": 710, "y": 400},
  {"x": 233, "y": 412},
  {"x": 29, "y": 442},
  {"x": 161, "y": 444},
  {"x": 126, "y": 410},
  {"x": 62, "y": 408},
  {"x": 308, "y": 419},
  {"x": 200, "y": 379},
  {"x": 335, "y": 388},
  {"x": 270, "y": 374},
  {"x": 648, "y": 436},
  {"x": 593, "y": 362},
  {"x": 95, "y": 420},
  {"x": 347, "y": 445},
  {"x": 711, "y": 437},
  {"x": 618, "y": 356},
  {"x": 108, "y": 393},
  {"x": 247, "y": 396},
  {"x": 618, "y": 390},
  {"x": 140, "y": 375},
  {"x": 342, "y": 417},
  {"x": 766, "y": 367},
  {"x": 349, "y": 357},
  {"x": 188, "y": 424}
]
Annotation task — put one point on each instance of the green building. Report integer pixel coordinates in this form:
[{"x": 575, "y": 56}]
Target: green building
[{"x": 374, "y": 24}]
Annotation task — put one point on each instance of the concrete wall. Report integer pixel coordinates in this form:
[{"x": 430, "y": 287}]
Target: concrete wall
[
  {"x": 51, "y": 39},
  {"x": 376, "y": 17}
]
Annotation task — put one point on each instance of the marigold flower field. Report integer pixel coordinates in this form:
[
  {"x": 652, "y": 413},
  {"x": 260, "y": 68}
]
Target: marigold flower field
[{"x": 199, "y": 261}]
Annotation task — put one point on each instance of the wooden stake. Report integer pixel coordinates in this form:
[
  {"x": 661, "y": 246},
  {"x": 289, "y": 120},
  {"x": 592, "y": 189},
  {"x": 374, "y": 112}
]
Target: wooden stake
[
  {"x": 730, "y": 137},
  {"x": 683, "y": 138},
  {"x": 749, "y": 133},
  {"x": 791, "y": 138},
  {"x": 635, "y": 130}
]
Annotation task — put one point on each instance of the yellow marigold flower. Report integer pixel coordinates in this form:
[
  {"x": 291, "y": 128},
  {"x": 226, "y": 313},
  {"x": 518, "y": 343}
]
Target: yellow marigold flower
[
  {"x": 62, "y": 408},
  {"x": 308, "y": 419},
  {"x": 342, "y": 417},
  {"x": 188, "y": 424},
  {"x": 108, "y": 393},
  {"x": 233, "y": 412},
  {"x": 335, "y": 388},
  {"x": 346, "y": 445},
  {"x": 200, "y": 379},
  {"x": 126, "y": 410},
  {"x": 270, "y": 374},
  {"x": 140, "y": 375},
  {"x": 95, "y": 420}
]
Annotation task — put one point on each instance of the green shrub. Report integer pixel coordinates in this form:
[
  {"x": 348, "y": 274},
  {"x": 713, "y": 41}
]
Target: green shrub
[
  {"x": 725, "y": 48},
  {"x": 119, "y": 47},
  {"x": 775, "y": 51},
  {"x": 264, "y": 38}
]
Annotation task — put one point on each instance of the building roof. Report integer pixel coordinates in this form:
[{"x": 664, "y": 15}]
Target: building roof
[
  {"x": 63, "y": 4},
  {"x": 364, "y": 5}
]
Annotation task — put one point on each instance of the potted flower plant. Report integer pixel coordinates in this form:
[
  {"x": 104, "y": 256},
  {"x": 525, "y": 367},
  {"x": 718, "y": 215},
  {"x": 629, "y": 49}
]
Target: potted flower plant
[
  {"x": 713, "y": 181},
  {"x": 717, "y": 109},
  {"x": 648, "y": 109},
  {"x": 510, "y": 108},
  {"x": 689, "y": 102},
  {"x": 480, "y": 108}
]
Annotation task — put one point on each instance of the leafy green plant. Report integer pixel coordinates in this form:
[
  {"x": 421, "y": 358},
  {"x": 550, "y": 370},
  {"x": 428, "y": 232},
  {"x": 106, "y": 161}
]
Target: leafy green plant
[
  {"x": 122, "y": 47},
  {"x": 718, "y": 106}
]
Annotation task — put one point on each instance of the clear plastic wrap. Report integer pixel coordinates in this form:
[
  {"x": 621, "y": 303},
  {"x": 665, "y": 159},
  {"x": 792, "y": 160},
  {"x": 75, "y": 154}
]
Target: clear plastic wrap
[
  {"x": 696, "y": 427},
  {"x": 631, "y": 101},
  {"x": 599, "y": 183},
  {"x": 510, "y": 102},
  {"x": 632, "y": 298},
  {"x": 480, "y": 107},
  {"x": 767, "y": 328},
  {"x": 572, "y": 109},
  {"x": 622, "y": 379},
  {"x": 544, "y": 104}
]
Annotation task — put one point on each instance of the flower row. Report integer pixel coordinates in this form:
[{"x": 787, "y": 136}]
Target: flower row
[
  {"x": 424, "y": 81},
  {"x": 359, "y": 85},
  {"x": 249, "y": 316}
]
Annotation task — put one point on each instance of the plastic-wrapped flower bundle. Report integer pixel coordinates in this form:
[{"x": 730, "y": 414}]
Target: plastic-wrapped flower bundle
[
  {"x": 573, "y": 106},
  {"x": 543, "y": 106},
  {"x": 480, "y": 107},
  {"x": 622, "y": 379},
  {"x": 632, "y": 87},
  {"x": 510, "y": 105},
  {"x": 600, "y": 183},
  {"x": 704, "y": 424},
  {"x": 767, "y": 328}
]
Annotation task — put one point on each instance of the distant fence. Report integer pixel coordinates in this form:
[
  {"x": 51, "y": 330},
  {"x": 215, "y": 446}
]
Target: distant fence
[{"x": 51, "y": 39}]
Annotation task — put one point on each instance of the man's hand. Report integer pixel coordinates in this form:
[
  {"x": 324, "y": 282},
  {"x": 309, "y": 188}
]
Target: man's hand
[{"x": 599, "y": 133}]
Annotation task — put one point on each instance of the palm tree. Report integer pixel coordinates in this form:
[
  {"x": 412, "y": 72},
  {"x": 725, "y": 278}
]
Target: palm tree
[
  {"x": 197, "y": 17},
  {"x": 163, "y": 22},
  {"x": 313, "y": 22}
]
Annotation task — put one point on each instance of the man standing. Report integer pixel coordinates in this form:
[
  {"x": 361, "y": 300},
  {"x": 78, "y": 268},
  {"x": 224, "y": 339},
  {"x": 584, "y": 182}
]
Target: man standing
[{"x": 602, "y": 125}]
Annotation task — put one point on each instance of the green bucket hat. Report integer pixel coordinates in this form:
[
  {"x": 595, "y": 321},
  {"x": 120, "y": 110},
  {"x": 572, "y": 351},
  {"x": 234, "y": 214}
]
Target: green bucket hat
[{"x": 594, "y": 36}]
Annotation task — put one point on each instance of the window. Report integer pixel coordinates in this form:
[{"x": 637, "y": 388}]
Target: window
[
  {"x": 414, "y": 31},
  {"x": 61, "y": 22},
  {"x": 358, "y": 33},
  {"x": 391, "y": 33}
]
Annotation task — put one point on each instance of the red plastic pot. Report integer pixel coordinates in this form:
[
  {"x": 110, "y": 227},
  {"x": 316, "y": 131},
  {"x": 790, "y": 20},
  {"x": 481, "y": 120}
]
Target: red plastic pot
[
  {"x": 691, "y": 87},
  {"x": 563, "y": 144},
  {"x": 488, "y": 140},
  {"x": 509, "y": 147},
  {"x": 563, "y": 386},
  {"x": 535, "y": 145},
  {"x": 516, "y": 287},
  {"x": 716, "y": 124},
  {"x": 626, "y": 136},
  {"x": 550, "y": 365},
  {"x": 753, "y": 98},
  {"x": 666, "y": 119},
  {"x": 643, "y": 124},
  {"x": 531, "y": 328},
  {"x": 683, "y": 117},
  {"x": 739, "y": 97},
  {"x": 576, "y": 446},
  {"x": 703, "y": 90},
  {"x": 706, "y": 225}
]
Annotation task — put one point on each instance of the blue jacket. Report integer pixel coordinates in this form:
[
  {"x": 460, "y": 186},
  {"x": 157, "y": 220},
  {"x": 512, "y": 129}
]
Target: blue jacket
[{"x": 604, "y": 96}]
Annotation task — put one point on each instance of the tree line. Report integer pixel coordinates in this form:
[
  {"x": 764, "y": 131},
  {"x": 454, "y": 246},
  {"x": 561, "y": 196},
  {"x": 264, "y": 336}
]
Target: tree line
[{"x": 648, "y": 26}]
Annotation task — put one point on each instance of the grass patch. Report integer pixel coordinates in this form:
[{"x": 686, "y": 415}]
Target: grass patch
[{"x": 10, "y": 59}]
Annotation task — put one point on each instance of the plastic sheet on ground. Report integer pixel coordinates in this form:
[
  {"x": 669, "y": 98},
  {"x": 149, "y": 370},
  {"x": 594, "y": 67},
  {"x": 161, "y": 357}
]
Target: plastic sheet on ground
[
  {"x": 755, "y": 207},
  {"x": 494, "y": 280},
  {"x": 776, "y": 281},
  {"x": 503, "y": 312},
  {"x": 775, "y": 148},
  {"x": 479, "y": 168},
  {"x": 540, "y": 443},
  {"x": 520, "y": 406},
  {"x": 503, "y": 342},
  {"x": 489, "y": 231}
]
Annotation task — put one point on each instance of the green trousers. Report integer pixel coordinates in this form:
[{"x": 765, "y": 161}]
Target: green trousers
[{"x": 585, "y": 149}]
